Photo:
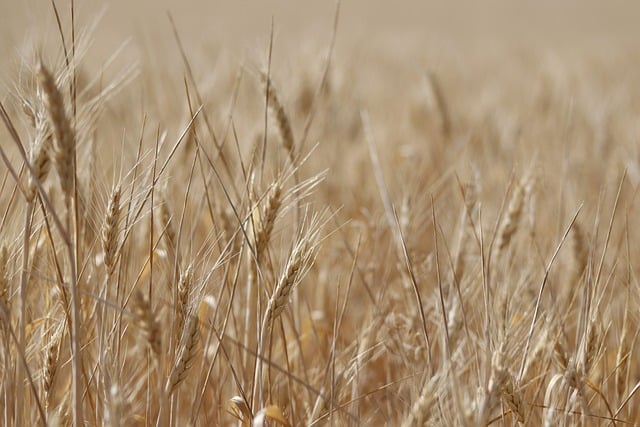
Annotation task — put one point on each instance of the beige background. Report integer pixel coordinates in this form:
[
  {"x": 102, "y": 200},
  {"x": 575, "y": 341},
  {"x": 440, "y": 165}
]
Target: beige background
[{"x": 246, "y": 23}]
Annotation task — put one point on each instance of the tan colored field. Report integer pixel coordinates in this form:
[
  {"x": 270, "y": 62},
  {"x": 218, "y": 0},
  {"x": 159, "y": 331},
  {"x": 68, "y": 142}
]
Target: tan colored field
[{"x": 431, "y": 221}]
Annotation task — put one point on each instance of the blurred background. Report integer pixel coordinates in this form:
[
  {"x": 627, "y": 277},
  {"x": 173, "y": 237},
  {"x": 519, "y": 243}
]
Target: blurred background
[{"x": 245, "y": 24}]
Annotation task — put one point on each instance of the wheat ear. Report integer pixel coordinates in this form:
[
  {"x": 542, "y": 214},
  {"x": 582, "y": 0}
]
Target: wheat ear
[
  {"x": 264, "y": 217},
  {"x": 497, "y": 380},
  {"x": 512, "y": 219},
  {"x": 512, "y": 396},
  {"x": 147, "y": 322},
  {"x": 110, "y": 231},
  {"x": 266, "y": 220},
  {"x": 184, "y": 288},
  {"x": 282, "y": 119},
  {"x": 51, "y": 364},
  {"x": 64, "y": 135},
  {"x": 421, "y": 408},
  {"x": 300, "y": 260},
  {"x": 187, "y": 354},
  {"x": 39, "y": 158}
]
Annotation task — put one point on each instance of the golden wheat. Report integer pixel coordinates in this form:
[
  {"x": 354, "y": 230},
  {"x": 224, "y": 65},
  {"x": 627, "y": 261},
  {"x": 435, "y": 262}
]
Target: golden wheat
[{"x": 183, "y": 270}]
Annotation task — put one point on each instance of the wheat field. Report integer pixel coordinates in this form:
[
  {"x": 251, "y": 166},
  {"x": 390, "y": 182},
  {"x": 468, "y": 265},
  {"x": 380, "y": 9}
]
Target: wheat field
[{"x": 351, "y": 213}]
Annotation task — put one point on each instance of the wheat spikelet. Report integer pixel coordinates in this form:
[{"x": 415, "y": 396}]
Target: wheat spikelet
[
  {"x": 228, "y": 222},
  {"x": 40, "y": 164},
  {"x": 560, "y": 354},
  {"x": 147, "y": 322},
  {"x": 39, "y": 158},
  {"x": 537, "y": 353},
  {"x": 511, "y": 221},
  {"x": 572, "y": 375},
  {"x": 513, "y": 398},
  {"x": 29, "y": 111},
  {"x": 454, "y": 320},
  {"x": 51, "y": 363},
  {"x": 240, "y": 409},
  {"x": 110, "y": 239},
  {"x": 284, "y": 124},
  {"x": 266, "y": 220},
  {"x": 591, "y": 347},
  {"x": 64, "y": 135},
  {"x": 292, "y": 274},
  {"x": 184, "y": 288},
  {"x": 420, "y": 410},
  {"x": 498, "y": 375},
  {"x": 497, "y": 380},
  {"x": 187, "y": 354},
  {"x": 167, "y": 225}
]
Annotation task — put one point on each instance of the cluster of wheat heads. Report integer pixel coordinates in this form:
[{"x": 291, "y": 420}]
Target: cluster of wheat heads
[{"x": 319, "y": 252}]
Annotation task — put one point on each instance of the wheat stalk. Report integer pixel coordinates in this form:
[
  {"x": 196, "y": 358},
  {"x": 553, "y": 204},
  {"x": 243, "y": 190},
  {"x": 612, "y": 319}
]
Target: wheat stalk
[
  {"x": 4, "y": 282},
  {"x": 622, "y": 357}
]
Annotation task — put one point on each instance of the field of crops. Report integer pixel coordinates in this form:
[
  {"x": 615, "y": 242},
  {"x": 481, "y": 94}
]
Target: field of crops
[{"x": 354, "y": 213}]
